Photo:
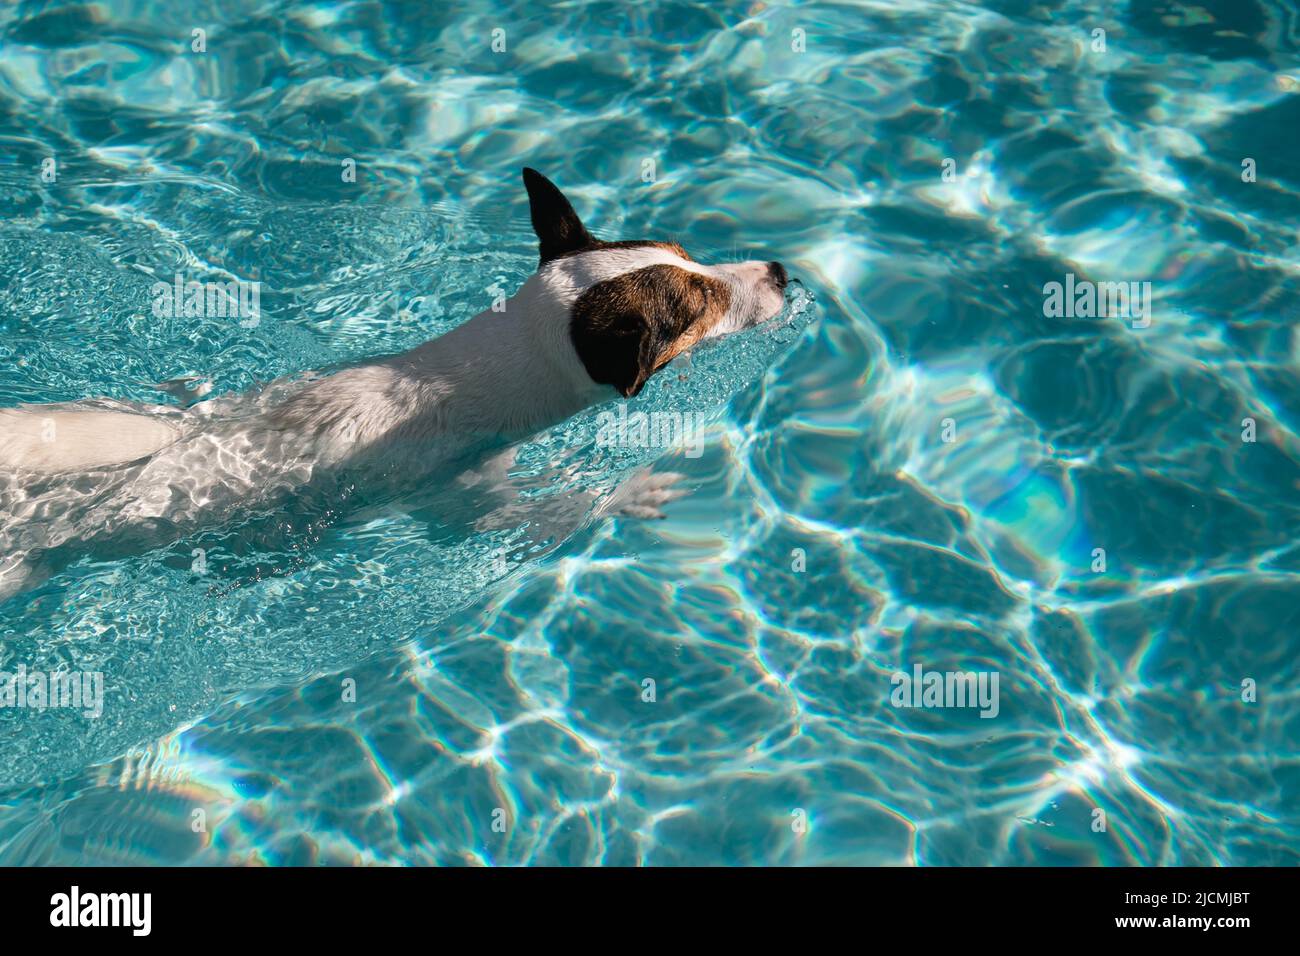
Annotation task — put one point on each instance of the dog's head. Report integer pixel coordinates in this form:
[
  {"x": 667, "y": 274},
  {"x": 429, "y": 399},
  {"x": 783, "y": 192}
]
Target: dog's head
[{"x": 633, "y": 306}]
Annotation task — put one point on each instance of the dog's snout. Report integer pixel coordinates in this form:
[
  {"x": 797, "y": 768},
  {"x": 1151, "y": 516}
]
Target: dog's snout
[{"x": 778, "y": 275}]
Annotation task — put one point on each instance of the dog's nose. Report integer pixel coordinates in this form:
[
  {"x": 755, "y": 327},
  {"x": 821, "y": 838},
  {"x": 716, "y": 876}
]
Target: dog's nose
[{"x": 777, "y": 272}]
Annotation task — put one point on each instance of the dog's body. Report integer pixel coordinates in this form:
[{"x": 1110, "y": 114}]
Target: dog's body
[{"x": 595, "y": 321}]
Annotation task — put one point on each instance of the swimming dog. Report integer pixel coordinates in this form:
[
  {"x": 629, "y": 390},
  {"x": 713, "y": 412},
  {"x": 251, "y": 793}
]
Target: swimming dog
[{"x": 593, "y": 323}]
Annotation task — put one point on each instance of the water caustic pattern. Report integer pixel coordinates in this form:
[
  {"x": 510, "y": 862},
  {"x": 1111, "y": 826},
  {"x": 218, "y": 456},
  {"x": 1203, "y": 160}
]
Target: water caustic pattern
[{"x": 952, "y": 469}]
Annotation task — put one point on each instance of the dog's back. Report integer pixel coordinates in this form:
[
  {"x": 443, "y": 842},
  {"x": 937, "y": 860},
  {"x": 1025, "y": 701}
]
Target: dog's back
[{"x": 107, "y": 477}]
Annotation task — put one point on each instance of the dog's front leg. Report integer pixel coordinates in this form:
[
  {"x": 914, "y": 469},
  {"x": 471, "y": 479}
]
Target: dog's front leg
[
  {"x": 487, "y": 498},
  {"x": 642, "y": 495}
]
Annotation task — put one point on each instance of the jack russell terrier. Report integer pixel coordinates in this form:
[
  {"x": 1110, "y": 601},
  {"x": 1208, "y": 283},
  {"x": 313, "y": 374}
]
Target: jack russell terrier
[{"x": 595, "y": 321}]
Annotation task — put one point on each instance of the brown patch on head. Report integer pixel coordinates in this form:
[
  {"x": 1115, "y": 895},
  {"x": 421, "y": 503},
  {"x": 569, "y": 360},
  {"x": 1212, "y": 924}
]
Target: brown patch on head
[{"x": 628, "y": 327}]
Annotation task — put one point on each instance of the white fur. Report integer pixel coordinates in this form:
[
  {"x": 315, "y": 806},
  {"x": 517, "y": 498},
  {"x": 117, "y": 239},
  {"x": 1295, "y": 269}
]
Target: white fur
[{"x": 111, "y": 470}]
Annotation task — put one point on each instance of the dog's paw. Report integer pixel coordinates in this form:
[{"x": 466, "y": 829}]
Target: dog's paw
[{"x": 644, "y": 494}]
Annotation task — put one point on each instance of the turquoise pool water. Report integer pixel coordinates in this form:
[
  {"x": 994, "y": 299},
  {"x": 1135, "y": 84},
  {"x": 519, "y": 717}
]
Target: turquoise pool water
[{"x": 940, "y": 471}]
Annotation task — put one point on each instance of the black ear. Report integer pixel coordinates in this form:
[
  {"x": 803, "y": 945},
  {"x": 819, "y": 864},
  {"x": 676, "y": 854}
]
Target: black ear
[
  {"x": 620, "y": 350},
  {"x": 558, "y": 228},
  {"x": 625, "y": 328}
]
